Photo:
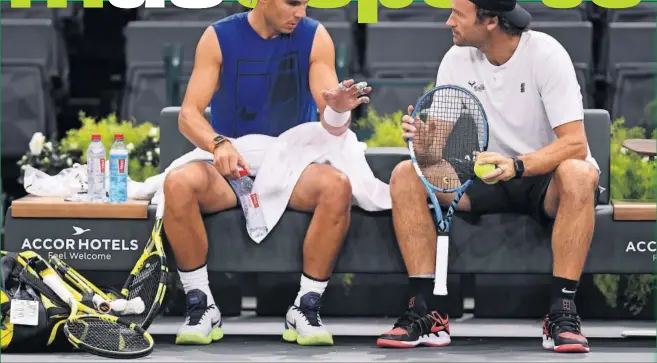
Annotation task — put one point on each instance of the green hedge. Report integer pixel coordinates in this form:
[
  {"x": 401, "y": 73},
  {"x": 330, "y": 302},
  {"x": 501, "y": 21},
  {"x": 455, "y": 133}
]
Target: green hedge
[{"x": 142, "y": 140}]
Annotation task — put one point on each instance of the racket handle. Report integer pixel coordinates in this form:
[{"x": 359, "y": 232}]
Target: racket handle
[
  {"x": 442, "y": 258},
  {"x": 120, "y": 306},
  {"x": 128, "y": 307},
  {"x": 57, "y": 285},
  {"x": 100, "y": 304}
]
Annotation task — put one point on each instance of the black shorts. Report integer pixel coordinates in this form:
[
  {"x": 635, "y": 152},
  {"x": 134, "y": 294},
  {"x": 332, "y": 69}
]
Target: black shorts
[{"x": 525, "y": 196}]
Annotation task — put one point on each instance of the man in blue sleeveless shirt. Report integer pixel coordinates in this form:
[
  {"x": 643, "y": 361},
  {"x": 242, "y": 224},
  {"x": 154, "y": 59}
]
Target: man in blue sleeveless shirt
[{"x": 262, "y": 72}]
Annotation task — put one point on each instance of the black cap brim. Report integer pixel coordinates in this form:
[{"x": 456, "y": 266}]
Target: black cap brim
[{"x": 518, "y": 17}]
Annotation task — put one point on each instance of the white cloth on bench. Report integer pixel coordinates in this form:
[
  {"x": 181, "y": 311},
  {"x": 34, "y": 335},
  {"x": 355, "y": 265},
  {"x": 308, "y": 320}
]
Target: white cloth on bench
[{"x": 278, "y": 163}]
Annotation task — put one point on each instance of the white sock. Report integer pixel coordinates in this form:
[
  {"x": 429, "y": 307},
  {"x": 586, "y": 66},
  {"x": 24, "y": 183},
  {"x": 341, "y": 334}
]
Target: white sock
[
  {"x": 197, "y": 279},
  {"x": 309, "y": 285}
]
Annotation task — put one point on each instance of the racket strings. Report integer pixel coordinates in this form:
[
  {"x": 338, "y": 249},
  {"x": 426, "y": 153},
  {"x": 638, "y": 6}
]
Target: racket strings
[
  {"x": 450, "y": 130},
  {"x": 145, "y": 285},
  {"x": 107, "y": 336}
]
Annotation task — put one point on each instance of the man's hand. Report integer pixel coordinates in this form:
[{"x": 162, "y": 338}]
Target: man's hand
[
  {"x": 505, "y": 170},
  {"x": 347, "y": 95},
  {"x": 227, "y": 160},
  {"x": 409, "y": 125},
  {"x": 426, "y": 152}
]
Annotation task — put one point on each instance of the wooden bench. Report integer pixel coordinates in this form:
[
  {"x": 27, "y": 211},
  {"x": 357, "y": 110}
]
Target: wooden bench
[
  {"x": 89, "y": 236},
  {"x": 32, "y": 206},
  {"x": 631, "y": 210}
]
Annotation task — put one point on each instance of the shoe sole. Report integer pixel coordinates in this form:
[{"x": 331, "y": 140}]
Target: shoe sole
[
  {"x": 432, "y": 341},
  {"x": 571, "y": 348},
  {"x": 198, "y": 339},
  {"x": 291, "y": 336},
  {"x": 548, "y": 344}
]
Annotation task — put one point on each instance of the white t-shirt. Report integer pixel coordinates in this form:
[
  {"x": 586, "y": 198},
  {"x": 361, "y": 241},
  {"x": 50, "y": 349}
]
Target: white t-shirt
[{"x": 525, "y": 98}]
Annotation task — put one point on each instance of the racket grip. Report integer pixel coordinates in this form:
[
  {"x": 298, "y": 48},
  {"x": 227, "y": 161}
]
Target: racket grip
[
  {"x": 100, "y": 304},
  {"x": 57, "y": 285},
  {"x": 442, "y": 258},
  {"x": 127, "y": 307}
]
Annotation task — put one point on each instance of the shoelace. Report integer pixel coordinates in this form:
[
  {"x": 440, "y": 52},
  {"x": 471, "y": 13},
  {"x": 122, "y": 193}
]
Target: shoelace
[
  {"x": 563, "y": 322},
  {"x": 311, "y": 314},
  {"x": 196, "y": 312},
  {"x": 408, "y": 317}
]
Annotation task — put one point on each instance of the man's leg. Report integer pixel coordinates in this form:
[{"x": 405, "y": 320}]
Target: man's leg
[
  {"x": 570, "y": 201},
  {"x": 193, "y": 189},
  {"x": 325, "y": 192},
  {"x": 425, "y": 321}
]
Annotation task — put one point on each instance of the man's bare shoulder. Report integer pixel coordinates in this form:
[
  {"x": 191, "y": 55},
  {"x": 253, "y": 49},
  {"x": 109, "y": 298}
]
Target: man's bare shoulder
[
  {"x": 208, "y": 47},
  {"x": 323, "y": 48}
]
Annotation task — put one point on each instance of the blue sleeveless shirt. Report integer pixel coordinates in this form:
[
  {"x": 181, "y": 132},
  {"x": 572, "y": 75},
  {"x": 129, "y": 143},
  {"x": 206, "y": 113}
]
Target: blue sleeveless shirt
[{"x": 264, "y": 86}]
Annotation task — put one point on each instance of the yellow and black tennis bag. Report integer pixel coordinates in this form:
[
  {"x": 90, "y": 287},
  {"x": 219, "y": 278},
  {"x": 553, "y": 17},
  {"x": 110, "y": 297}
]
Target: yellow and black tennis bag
[{"x": 20, "y": 283}]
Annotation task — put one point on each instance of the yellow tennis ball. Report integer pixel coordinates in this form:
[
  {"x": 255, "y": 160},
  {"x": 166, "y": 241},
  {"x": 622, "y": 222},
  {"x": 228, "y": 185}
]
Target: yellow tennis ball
[{"x": 483, "y": 169}]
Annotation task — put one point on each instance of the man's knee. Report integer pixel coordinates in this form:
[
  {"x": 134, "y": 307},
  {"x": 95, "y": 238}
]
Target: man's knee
[
  {"x": 184, "y": 182},
  {"x": 402, "y": 180},
  {"x": 336, "y": 188},
  {"x": 576, "y": 180}
]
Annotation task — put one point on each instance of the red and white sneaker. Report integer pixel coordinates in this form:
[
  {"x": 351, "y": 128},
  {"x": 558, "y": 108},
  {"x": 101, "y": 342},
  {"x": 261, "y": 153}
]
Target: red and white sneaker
[
  {"x": 417, "y": 326},
  {"x": 562, "y": 329}
]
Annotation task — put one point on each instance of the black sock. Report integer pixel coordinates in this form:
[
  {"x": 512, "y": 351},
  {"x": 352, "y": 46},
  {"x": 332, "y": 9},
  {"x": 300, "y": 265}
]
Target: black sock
[
  {"x": 563, "y": 289},
  {"x": 423, "y": 286}
]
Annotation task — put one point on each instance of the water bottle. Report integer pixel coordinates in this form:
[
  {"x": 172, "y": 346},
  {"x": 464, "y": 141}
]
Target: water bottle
[
  {"x": 118, "y": 178},
  {"x": 255, "y": 220},
  {"x": 96, "y": 170}
]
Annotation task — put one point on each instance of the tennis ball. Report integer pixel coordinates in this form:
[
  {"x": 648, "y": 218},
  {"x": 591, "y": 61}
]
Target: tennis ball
[{"x": 483, "y": 169}]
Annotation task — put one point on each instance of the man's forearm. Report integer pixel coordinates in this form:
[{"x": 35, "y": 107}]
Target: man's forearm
[
  {"x": 196, "y": 129},
  {"x": 548, "y": 158}
]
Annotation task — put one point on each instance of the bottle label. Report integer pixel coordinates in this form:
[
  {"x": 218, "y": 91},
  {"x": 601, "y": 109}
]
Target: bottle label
[
  {"x": 121, "y": 166},
  {"x": 118, "y": 188},
  {"x": 99, "y": 174},
  {"x": 254, "y": 200},
  {"x": 96, "y": 166},
  {"x": 118, "y": 165}
]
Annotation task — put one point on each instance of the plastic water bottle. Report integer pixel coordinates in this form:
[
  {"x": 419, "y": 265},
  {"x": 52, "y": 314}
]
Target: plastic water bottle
[
  {"x": 118, "y": 183},
  {"x": 96, "y": 155},
  {"x": 255, "y": 219}
]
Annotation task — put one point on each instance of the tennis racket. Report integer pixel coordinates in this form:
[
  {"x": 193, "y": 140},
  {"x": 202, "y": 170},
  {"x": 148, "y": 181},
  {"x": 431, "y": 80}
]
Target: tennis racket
[
  {"x": 148, "y": 278},
  {"x": 98, "y": 298},
  {"x": 78, "y": 281},
  {"x": 97, "y": 333},
  {"x": 451, "y": 129}
]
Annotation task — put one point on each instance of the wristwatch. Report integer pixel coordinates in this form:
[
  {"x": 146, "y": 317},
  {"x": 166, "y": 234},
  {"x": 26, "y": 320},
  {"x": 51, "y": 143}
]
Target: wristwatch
[
  {"x": 519, "y": 167},
  {"x": 218, "y": 140}
]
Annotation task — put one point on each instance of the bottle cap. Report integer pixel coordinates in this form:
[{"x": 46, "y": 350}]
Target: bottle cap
[
  {"x": 95, "y": 136},
  {"x": 243, "y": 173},
  {"x": 118, "y": 136}
]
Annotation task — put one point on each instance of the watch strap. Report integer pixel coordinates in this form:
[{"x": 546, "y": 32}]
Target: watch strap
[
  {"x": 519, "y": 167},
  {"x": 218, "y": 140}
]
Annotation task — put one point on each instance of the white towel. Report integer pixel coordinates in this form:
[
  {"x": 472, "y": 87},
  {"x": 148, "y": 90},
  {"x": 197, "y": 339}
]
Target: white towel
[{"x": 278, "y": 164}]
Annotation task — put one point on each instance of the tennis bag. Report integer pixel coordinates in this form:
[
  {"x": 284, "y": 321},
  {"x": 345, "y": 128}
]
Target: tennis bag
[{"x": 20, "y": 284}]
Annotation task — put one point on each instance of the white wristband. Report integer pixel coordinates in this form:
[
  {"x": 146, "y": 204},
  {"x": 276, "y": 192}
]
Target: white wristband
[{"x": 334, "y": 118}]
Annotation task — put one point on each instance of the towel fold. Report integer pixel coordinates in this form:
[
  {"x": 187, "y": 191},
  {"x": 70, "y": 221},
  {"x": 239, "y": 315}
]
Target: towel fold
[{"x": 278, "y": 162}]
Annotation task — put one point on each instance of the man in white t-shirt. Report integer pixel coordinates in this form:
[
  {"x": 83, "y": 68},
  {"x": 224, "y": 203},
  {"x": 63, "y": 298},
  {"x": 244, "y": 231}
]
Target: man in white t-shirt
[{"x": 527, "y": 85}]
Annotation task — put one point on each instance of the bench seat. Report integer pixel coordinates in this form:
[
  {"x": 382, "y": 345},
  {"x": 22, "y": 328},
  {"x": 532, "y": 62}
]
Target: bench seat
[
  {"x": 489, "y": 244},
  {"x": 495, "y": 243}
]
